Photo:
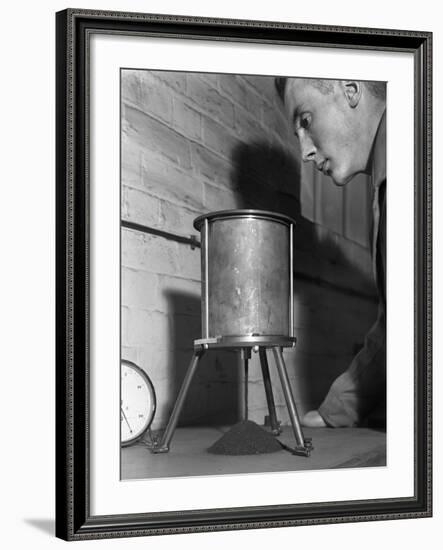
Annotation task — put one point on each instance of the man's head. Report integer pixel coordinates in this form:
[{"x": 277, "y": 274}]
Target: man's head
[{"x": 335, "y": 122}]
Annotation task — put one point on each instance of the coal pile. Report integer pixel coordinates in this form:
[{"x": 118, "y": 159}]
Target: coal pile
[{"x": 245, "y": 438}]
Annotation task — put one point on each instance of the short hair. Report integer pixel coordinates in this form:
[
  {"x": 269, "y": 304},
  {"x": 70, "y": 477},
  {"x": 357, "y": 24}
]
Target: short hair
[
  {"x": 376, "y": 89},
  {"x": 280, "y": 85}
]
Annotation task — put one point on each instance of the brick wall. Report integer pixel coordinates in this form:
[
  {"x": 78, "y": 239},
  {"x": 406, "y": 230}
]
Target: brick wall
[{"x": 194, "y": 143}]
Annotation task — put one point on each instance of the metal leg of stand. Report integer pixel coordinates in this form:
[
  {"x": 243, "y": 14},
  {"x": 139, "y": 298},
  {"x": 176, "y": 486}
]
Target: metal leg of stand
[
  {"x": 163, "y": 445},
  {"x": 275, "y": 427},
  {"x": 304, "y": 446},
  {"x": 246, "y": 355}
]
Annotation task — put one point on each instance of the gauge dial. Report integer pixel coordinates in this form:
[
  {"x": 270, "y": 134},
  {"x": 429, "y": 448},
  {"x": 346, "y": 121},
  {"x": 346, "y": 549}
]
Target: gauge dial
[{"x": 137, "y": 405}]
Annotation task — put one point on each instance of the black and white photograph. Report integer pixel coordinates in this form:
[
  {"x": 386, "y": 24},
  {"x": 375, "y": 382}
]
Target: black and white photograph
[{"x": 253, "y": 273}]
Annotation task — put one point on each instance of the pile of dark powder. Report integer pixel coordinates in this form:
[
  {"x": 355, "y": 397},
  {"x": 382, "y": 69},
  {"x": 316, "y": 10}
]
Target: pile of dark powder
[{"x": 245, "y": 438}]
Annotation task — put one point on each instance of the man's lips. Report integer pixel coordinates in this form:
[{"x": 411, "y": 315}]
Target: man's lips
[{"x": 323, "y": 166}]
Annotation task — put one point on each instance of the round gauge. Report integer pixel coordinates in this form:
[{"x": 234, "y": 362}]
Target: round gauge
[{"x": 137, "y": 405}]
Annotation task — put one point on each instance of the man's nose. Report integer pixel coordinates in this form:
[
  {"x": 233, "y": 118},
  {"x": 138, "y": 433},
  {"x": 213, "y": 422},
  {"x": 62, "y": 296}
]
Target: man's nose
[{"x": 308, "y": 149}]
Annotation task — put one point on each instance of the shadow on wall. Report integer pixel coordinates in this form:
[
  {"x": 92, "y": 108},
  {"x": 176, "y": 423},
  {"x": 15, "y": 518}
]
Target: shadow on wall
[
  {"x": 267, "y": 178},
  {"x": 212, "y": 398}
]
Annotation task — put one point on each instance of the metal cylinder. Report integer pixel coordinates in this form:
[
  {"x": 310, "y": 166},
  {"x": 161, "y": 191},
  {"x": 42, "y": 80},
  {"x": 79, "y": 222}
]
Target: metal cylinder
[{"x": 246, "y": 273}]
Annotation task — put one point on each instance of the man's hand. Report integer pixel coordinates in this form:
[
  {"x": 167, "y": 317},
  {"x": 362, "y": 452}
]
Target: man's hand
[{"x": 312, "y": 419}]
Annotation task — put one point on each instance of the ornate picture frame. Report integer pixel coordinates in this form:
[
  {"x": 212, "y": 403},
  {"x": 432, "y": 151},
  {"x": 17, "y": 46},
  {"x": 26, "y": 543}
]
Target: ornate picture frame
[{"x": 74, "y": 369}]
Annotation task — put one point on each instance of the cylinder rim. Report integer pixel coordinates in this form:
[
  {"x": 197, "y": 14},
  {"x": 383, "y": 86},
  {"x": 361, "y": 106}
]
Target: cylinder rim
[{"x": 242, "y": 213}]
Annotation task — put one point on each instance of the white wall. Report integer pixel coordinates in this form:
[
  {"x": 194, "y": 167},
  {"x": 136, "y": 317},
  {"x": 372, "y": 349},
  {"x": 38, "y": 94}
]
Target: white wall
[
  {"x": 194, "y": 143},
  {"x": 27, "y": 289}
]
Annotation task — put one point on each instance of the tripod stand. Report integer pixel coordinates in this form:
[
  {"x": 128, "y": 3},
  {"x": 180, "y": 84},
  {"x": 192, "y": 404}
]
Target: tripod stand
[{"x": 245, "y": 345}]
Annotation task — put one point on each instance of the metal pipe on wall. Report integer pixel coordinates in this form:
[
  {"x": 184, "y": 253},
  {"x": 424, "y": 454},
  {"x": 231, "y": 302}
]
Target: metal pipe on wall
[{"x": 194, "y": 243}]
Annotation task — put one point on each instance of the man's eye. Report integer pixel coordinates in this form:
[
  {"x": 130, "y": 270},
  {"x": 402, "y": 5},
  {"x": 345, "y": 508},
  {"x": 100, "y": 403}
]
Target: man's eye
[{"x": 305, "y": 121}]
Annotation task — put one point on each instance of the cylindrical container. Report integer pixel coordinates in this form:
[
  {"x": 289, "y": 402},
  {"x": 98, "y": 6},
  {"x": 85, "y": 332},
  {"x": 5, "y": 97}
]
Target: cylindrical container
[{"x": 247, "y": 274}]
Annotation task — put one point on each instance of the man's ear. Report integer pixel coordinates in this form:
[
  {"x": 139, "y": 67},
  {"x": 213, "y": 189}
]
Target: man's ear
[{"x": 352, "y": 90}]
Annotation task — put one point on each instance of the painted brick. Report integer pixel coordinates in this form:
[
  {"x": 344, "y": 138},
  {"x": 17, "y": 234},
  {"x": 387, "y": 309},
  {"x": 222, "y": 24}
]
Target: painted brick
[
  {"x": 211, "y": 166},
  {"x": 189, "y": 263},
  {"x": 219, "y": 199},
  {"x": 276, "y": 121},
  {"x": 203, "y": 399},
  {"x": 151, "y": 134},
  {"x": 186, "y": 329},
  {"x": 330, "y": 207},
  {"x": 320, "y": 342},
  {"x": 222, "y": 405},
  {"x": 130, "y": 354},
  {"x": 221, "y": 366},
  {"x": 358, "y": 213},
  {"x": 210, "y": 78},
  {"x": 140, "y": 289},
  {"x": 213, "y": 403},
  {"x": 334, "y": 317},
  {"x": 174, "y": 79},
  {"x": 264, "y": 85},
  {"x": 179, "y": 340},
  {"x": 146, "y": 328},
  {"x": 140, "y": 207},
  {"x": 314, "y": 385},
  {"x": 357, "y": 259},
  {"x": 164, "y": 366},
  {"x": 167, "y": 181},
  {"x": 149, "y": 253},
  {"x": 131, "y": 158},
  {"x": 165, "y": 402},
  {"x": 237, "y": 90},
  {"x": 159, "y": 255},
  {"x": 254, "y": 370},
  {"x": 258, "y": 415},
  {"x": 307, "y": 188},
  {"x": 332, "y": 271},
  {"x": 329, "y": 323},
  {"x": 333, "y": 326},
  {"x": 141, "y": 89},
  {"x": 312, "y": 295},
  {"x": 206, "y": 399},
  {"x": 178, "y": 219},
  {"x": 186, "y": 120},
  {"x": 207, "y": 98},
  {"x": 248, "y": 125},
  {"x": 257, "y": 398},
  {"x": 179, "y": 296},
  {"x": 125, "y": 313},
  {"x": 310, "y": 378},
  {"x": 220, "y": 140},
  {"x": 334, "y": 247}
]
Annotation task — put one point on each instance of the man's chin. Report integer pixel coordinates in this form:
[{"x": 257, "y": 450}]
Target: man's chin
[{"x": 340, "y": 180}]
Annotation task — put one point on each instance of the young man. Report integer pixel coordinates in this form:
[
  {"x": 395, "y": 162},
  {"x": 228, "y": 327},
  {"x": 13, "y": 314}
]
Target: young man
[{"x": 341, "y": 127}]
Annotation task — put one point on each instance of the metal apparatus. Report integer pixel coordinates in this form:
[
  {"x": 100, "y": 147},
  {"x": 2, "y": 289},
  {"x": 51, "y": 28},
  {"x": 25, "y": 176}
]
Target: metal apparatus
[{"x": 247, "y": 302}]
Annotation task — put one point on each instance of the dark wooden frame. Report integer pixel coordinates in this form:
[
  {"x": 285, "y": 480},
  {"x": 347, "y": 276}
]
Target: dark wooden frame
[{"x": 73, "y": 518}]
